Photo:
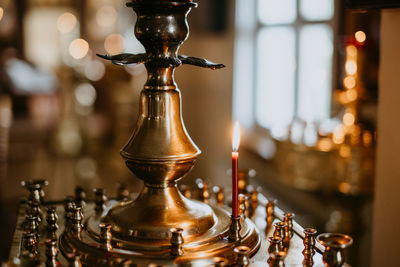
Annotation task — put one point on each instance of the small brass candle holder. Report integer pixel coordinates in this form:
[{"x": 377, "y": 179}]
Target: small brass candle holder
[
  {"x": 334, "y": 244},
  {"x": 234, "y": 229}
]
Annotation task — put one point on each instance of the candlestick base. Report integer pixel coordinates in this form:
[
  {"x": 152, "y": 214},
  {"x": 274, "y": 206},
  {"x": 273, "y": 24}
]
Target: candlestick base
[{"x": 196, "y": 249}]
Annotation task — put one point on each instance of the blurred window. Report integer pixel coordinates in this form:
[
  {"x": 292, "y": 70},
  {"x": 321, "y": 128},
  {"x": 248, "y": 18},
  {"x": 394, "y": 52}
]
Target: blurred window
[{"x": 283, "y": 62}]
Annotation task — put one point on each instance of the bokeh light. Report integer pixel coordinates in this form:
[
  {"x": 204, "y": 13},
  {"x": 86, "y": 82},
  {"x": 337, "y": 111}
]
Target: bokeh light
[
  {"x": 95, "y": 70},
  {"x": 351, "y": 51},
  {"x": 85, "y": 94},
  {"x": 349, "y": 82},
  {"x": 351, "y": 67},
  {"x": 114, "y": 44},
  {"x": 348, "y": 119},
  {"x": 1, "y": 13},
  {"x": 78, "y": 48},
  {"x": 360, "y": 36},
  {"x": 66, "y": 22},
  {"x": 106, "y": 16}
]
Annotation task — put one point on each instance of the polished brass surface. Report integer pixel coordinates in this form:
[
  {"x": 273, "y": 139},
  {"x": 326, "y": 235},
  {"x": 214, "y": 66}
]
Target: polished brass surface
[
  {"x": 288, "y": 219},
  {"x": 211, "y": 250},
  {"x": 334, "y": 244},
  {"x": 242, "y": 256},
  {"x": 309, "y": 246},
  {"x": 276, "y": 259}
]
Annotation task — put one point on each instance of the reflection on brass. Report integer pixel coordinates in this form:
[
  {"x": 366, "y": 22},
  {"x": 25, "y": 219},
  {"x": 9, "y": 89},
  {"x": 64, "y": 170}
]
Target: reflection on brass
[
  {"x": 288, "y": 219},
  {"x": 276, "y": 259},
  {"x": 309, "y": 246},
  {"x": 334, "y": 245},
  {"x": 242, "y": 256},
  {"x": 177, "y": 242}
]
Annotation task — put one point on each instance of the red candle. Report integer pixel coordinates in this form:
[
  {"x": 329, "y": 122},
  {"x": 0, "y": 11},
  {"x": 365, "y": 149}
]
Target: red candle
[{"x": 235, "y": 163}]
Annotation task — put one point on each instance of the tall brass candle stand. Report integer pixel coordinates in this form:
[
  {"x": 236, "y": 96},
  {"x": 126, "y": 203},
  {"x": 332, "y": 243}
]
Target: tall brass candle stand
[{"x": 160, "y": 152}]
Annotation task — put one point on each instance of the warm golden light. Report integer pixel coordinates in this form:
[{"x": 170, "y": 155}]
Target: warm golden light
[
  {"x": 236, "y": 137},
  {"x": 360, "y": 36},
  {"x": 349, "y": 82},
  {"x": 348, "y": 119},
  {"x": 345, "y": 151},
  {"x": 351, "y": 51},
  {"x": 367, "y": 138},
  {"x": 351, "y": 67},
  {"x": 66, "y": 22},
  {"x": 78, "y": 48},
  {"x": 338, "y": 135},
  {"x": 114, "y": 44},
  {"x": 351, "y": 95},
  {"x": 1, "y": 13},
  {"x": 324, "y": 144},
  {"x": 106, "y": 16}
]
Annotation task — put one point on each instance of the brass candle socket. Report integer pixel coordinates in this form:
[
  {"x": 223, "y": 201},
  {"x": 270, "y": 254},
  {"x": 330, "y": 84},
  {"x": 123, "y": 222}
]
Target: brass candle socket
[
  {"x": 334, "y": 244},
  {"x": 242, "y": 256},
  {"x": 309, "y": 246},
  {"x": 234, "y": 229}
]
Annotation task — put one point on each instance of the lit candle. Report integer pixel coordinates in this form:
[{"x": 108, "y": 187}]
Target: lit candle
[{"x": 235, "y": 163}]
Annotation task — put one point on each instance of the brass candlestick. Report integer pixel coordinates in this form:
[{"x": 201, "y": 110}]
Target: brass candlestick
[
  {"x": 160, "y": 152},
  {"x": 334, "y": 244}
]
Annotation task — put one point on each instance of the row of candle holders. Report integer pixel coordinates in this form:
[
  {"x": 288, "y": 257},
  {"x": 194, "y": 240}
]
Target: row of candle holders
[{"x": 279, "y": 242}]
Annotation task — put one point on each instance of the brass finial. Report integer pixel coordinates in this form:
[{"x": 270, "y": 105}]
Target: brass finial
[
  {"x": 35, "y": 188},
  {"x": 80, "y": 196},
  {"x": 220, "y": 261}
]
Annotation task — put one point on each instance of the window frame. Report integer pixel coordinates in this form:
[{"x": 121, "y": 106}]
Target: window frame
[{"x": 247, "y": 26}]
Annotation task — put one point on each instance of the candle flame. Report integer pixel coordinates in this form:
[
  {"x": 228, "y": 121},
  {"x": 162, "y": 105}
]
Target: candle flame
[{"x": 236, "y": 137}]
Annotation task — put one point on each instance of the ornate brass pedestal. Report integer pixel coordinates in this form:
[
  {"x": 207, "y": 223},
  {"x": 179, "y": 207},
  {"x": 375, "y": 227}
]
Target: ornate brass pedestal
[{"x": 160, "y": 152}]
